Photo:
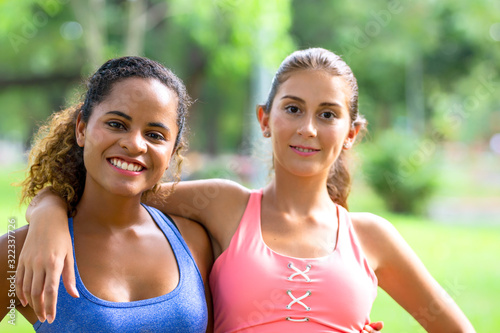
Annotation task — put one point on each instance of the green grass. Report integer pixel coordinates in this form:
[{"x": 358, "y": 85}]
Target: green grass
[
  {"x": 10, "y": 208},
  {"x": 463, "y": 259}
]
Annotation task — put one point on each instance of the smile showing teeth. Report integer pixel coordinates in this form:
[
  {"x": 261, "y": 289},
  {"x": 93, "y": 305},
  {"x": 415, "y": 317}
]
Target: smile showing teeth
[
  {"x": 120, "y": 164},
  {"x": 304, "y": 150}
]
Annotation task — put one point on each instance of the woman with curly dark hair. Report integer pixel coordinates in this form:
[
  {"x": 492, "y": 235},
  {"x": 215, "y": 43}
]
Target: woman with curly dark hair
[
  {"x": 290, "y": 257},
  {"x": 134, "y": 269}
]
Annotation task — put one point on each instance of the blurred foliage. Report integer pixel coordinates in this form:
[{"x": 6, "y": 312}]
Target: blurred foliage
[
  {"x": 402, "y": 170},
  {"x": 423, "y": 66},
  {"x": 211, "y": 45},
  {"x": 427, "y": 68}
]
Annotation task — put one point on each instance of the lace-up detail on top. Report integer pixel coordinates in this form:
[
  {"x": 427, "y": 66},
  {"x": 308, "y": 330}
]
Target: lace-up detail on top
[
  {"x": 299, "y": 272},
  {"x": 301, "y": 278},
  {"x": 332, "y": 293}
]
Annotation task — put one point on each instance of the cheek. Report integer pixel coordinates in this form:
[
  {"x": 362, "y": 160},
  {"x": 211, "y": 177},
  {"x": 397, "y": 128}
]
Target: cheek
[
  {"x": 164, "y": 156},
  {"x": 94, "y": 140},
  {"x": 280, "y": 126},
  {"x": 341, "y": 128}
]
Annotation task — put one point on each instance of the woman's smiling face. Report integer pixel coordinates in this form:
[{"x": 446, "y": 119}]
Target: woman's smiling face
[
  {"x": 309, "y": 122},
  {"x": 130, "y": 136}
]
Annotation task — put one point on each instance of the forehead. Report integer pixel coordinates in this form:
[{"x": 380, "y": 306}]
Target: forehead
[
  {"x": 133, "y": 91},
  {"x": 141, "y": 98},
  {"x": 316, "y": 86}
]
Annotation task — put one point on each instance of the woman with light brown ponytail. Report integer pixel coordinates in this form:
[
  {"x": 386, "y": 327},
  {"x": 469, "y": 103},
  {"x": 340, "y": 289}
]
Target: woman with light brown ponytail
[{"x": 289, "y": 257}]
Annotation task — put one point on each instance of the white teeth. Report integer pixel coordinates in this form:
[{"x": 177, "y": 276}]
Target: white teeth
[
  {"x": 125, "y": 166},
  {"x": 304, "y": 150}
]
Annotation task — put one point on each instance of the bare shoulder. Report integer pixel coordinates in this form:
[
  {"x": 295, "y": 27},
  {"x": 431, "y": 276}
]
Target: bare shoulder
[
  {"x": 14, "y": 236},
  {"x": 193, "y": 233},
  {"x": 198, "y": 242},
  {"x": 11, "y": 244},
  {"x": 371, "y": 224},
  {"x": 378, "y": 237}
]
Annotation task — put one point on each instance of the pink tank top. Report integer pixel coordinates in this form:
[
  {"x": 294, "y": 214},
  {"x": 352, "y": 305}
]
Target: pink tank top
[{"x": 255, "y": 289}]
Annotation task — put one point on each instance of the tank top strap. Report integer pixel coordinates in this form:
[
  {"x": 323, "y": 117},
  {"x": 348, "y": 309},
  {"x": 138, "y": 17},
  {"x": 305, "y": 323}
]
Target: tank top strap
[
  {"x": 247, "y": 235},
  {"x": 188, "y": 270},
  {"x": 179, "y": 246},
  {"x": 348, "y": 238},
  {"x": 248, "y": 230}
]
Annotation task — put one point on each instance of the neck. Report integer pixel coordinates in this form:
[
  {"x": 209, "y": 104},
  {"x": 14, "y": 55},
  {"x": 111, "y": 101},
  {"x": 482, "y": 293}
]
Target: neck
[
  {"x": 298, "y": 195},
  {"x": 109, "y": 211}
]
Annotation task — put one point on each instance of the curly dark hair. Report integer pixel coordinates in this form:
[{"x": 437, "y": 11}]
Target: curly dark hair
[{"x": 56, "y": 160}]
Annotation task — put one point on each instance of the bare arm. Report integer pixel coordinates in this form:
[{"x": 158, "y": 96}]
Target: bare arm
[
  {"x": 10, "y": 245},
  {"x": 47, "y": 254},
  {"x": 198, "y": 242},
  {"x": 217, "y": 204},
  {"x": 404, "y": 277}
]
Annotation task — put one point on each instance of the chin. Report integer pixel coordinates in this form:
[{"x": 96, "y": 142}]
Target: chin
[
  {"x": 127, "y": 191},
  {"x": 306, "y": 172}
]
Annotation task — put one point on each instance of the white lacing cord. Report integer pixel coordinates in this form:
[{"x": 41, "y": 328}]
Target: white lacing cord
[
  {"x": 298, "y": 300},
  {"x": 299, "y": 272},
  {"x": 297, "y": 320}
]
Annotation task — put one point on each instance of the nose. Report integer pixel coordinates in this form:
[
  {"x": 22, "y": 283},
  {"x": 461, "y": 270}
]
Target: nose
[
  {"x": 134, "y": 143},
  {"x": 307, "y": 127}
]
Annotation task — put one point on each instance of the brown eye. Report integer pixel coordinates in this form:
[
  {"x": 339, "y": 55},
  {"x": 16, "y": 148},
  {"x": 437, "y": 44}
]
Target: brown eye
[
  {"x": 327, "y": 115},
  {"x": 156, "y": 136},
  {"x": 115, "y": 124},
  {"x": 292, "y": 109}
]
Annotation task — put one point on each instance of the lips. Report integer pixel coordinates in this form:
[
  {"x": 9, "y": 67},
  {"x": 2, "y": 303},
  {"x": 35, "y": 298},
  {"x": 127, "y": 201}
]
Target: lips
[
  {"x": 305, "y": 149},
  {"x": 124, "y": 165}
]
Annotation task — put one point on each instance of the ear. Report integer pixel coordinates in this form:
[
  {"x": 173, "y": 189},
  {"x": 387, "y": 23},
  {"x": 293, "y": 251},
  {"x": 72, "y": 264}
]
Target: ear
[
  {"x": 263, "y": 118},
  {"x": 351, "y": 136},
  {"x": 80, "y": 130}
]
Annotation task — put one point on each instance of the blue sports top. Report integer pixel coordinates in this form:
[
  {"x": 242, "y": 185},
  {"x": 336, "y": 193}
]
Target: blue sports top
[{"x": 183, "y": 309}]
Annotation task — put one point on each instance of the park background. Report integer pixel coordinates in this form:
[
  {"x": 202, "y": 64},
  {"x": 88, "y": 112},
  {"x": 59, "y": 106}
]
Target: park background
[{"x": 428, "y": 73}]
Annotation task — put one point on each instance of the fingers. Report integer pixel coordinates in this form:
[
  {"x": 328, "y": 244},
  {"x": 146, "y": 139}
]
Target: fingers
[
  {"x": 26, "y": 285},
  {"x": 19, "y": 284},
  {"x": 50, "y": 292},
  {"x": 37, "y": 294},
  {"x": 373, "y": 327},
  {"x": 377, "y": 326},
  {"x": 68, "y": 275},
  {"x": 368, "y": 329}
]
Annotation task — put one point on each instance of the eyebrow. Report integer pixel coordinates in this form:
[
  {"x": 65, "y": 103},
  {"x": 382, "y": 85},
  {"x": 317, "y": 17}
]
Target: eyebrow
[
  {"x": 129, "y": 118},
  {"x": 304, "y": 102}
]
